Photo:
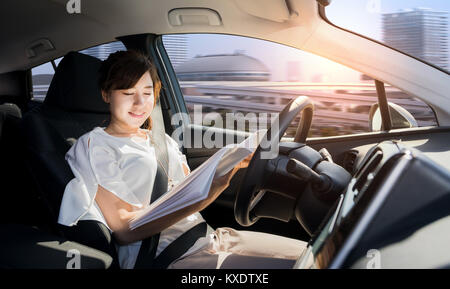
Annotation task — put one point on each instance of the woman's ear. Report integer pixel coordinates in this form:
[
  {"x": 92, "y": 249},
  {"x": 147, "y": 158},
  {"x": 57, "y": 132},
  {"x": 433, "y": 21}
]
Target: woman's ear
[{"x": 105, "y": 96}]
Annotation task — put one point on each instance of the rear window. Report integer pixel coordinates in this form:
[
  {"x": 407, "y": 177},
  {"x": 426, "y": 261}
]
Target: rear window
[{"x": 42, "y": 75}]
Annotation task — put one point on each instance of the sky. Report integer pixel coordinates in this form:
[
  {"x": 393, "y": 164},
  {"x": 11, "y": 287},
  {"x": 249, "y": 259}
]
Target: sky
[
  {"x": 364, "y": 16},
  {"x": 361, "y": 16}
]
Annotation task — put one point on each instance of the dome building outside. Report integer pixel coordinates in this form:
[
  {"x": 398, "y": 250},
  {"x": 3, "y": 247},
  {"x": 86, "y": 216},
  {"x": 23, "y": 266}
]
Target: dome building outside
[{"x": 223, "y": 67}]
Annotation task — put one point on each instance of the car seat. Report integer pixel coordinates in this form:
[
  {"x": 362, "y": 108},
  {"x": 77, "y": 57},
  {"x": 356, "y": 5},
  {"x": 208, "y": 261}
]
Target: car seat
[{"x": 72, "y": 107}]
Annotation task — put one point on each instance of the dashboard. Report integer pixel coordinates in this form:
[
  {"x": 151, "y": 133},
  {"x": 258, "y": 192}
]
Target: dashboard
[{"x": 393, "y": 214}]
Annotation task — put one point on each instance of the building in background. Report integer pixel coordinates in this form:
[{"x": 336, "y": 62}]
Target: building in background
[
  {"x": 223, "y": 67},
  {"x": 176, "y": 46},
  {"x": 420, "y": 32}
]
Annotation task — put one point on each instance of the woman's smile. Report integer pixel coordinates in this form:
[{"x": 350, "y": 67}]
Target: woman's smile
[{"x": 136, "y": 115}]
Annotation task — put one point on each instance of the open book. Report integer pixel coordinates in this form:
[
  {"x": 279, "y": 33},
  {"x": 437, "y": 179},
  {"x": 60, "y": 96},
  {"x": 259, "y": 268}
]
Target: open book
[{"x": 195, "y": 187}]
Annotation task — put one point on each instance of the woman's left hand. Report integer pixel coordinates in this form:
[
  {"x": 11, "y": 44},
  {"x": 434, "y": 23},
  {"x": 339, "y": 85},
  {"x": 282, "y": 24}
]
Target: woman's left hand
[
  {"x": 219, "y": 184},
  {"x": 245, "y": 162}
]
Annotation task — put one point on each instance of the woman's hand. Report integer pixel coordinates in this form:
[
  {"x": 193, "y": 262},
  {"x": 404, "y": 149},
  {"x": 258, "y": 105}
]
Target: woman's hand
[
  {"x": 245, "y": 162},
  {"x": 219, "y": 184}
]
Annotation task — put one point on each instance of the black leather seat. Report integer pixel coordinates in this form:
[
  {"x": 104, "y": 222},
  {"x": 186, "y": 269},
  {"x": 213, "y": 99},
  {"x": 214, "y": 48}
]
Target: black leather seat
[
  {"x": 16, "y": 189},
  {"x": 13, "y": 189},
  {"x": 25, "y": 247},
  {"x": 72, "y": 107},
  {"x": 21, "y": 245}
]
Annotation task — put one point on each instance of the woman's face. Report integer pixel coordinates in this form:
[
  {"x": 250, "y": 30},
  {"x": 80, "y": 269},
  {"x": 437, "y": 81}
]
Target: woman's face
[{"x": 131, "y": 107}]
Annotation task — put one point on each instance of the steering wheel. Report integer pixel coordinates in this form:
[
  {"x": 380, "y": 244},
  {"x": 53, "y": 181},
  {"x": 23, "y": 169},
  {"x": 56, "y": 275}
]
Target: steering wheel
[{"x": 249, "y": 191}]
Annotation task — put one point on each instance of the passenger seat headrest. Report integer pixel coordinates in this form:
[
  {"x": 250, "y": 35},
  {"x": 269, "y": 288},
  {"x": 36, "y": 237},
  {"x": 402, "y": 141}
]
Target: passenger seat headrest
[{"x": 74, "y": 86}]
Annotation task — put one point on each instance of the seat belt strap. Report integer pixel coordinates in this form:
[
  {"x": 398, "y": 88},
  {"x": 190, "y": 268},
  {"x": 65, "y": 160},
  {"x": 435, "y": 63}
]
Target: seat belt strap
[
  {"x": 146, "y": 257},
  {"x": 149, "y": 245},
  {"x": 179, "y": 246},
  {"x": 159, "y": 136}
]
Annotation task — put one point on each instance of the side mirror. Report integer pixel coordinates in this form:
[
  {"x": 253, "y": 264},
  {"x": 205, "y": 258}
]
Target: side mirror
[{"x": 401, "y": 118}]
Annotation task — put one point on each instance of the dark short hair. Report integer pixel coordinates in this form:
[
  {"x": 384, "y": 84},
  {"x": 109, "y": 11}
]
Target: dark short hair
[{"x": 123, "y": 69}]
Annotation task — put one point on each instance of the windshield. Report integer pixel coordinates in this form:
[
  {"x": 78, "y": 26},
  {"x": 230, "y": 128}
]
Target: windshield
[{"x": 419, "y": 28}]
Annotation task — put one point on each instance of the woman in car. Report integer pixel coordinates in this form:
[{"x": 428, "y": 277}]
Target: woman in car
[{"x": 108, "y": 163}]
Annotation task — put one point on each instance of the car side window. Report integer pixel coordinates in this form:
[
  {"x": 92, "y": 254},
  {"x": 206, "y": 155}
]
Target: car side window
[
  {"x": 245, "y": 75},
  {"x": 421, "y": 112},
  {"x": 42, "y": 75}
]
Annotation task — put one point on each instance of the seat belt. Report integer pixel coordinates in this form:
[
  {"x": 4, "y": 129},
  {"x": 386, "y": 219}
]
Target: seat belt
[
  {"x": 179, "y": 246},
  {"x": 149, "y": 245},
  {"x": 146, "y": 257}
]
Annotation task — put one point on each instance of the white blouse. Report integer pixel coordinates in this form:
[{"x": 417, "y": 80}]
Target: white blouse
[{"x": 125, "y": 166}]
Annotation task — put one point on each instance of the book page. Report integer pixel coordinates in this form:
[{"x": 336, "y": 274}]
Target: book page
[
  {"x": 195, "y": 187},
  {"x": 238, "y": 152}
]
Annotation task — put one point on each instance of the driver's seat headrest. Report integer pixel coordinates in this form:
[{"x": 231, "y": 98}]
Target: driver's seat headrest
[{"x": 74, "y": 86}]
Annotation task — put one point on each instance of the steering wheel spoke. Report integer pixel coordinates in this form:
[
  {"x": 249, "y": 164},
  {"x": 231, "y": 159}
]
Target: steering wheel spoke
[
  {"x": 256, "y": 198},
  {"x": 246, "y": 199}
]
